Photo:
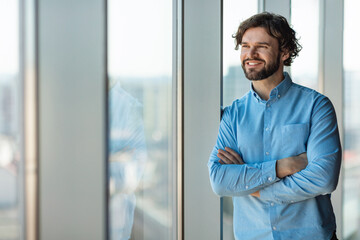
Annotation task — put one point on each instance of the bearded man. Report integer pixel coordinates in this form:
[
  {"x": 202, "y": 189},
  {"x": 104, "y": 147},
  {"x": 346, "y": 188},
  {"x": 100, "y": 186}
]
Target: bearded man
[{"x": 278, "y": 151}]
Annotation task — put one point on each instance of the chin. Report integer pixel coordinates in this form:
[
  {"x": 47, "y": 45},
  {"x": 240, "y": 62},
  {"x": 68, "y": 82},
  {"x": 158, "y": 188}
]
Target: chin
[{"x": 254, "y": 76}]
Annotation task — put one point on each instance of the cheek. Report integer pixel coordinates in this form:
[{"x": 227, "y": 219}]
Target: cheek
[{"x": 242, "y": 55}]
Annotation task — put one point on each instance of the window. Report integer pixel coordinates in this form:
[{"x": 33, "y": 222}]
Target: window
[
  {"x": 11, "y": 136},
  {"x": 351, "y": 159},
  {"x": 304, "y": 69},
  {"x": 235, "y": 84},
  {"x": 142, "y": 166}
]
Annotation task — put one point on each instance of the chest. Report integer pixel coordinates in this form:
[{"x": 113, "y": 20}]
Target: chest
[{"x": 271, "y": 133}]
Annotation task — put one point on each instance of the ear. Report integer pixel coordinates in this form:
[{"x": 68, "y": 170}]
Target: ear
[{"x": 284, "y": 54}]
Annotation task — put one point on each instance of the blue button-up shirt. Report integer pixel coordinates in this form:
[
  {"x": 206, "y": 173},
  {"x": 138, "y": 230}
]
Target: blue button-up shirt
[{"x": 294, "y": 120}]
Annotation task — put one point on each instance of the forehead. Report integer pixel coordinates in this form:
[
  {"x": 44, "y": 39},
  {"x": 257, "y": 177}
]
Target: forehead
[{"x": 258, "y": 35}]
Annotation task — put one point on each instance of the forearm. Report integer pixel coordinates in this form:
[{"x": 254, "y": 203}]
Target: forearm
[
  {"x": 240, "y": 180},
  {"x": 286, "y": 167},
  {"x": 316, "y": 179},
  {"x": 291, "y": 165},
  {"x": 234, "y": 178}
]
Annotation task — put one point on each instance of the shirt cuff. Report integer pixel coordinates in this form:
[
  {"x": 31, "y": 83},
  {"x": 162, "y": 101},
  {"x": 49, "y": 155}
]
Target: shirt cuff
[{"x": 269, "y": 172}]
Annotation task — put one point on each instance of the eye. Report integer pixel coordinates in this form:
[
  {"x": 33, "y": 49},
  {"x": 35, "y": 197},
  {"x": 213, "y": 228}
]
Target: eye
[{"x": 244, "y": 46}]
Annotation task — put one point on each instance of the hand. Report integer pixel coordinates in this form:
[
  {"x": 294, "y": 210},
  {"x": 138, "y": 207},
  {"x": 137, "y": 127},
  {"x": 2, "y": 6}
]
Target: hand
[
  {"x": 229, "y": 156},
  {"x": 290, "y": 165},
  {"x": 256, "y": 194}
]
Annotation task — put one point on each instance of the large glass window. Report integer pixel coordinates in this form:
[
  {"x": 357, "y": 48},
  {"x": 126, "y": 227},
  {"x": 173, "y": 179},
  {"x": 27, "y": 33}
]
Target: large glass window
[
  {"x": 11, "y": 137},
  {"x": 304, "y": 69},
  {"x": 351, "y": 164},
  {"x": 235, "y": 84},
  {"x": 142, "y": 167}
]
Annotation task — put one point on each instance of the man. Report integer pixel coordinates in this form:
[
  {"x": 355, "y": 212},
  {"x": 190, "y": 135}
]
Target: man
[
  {"x": 278, "y": 151},
  {"x": 128, "y": 156}
]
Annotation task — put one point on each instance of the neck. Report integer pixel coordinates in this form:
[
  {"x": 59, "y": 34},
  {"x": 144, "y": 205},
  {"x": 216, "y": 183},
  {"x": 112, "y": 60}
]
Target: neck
[{"x": 263, "y": 87}]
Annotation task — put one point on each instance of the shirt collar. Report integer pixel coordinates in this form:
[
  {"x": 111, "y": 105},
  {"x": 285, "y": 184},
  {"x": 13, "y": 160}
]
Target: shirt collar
[{"x": 278, "y": 91}]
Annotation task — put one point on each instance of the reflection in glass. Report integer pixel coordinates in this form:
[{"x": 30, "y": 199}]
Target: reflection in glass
[
  {"x": 304, "y": 69},
  {"x": 141, "y": 164},
  {"x": 351, "y": 164},
  {"x": 127, "y": 159},
  {"x": 11, "y": 190},
  {"x": 235, "y": 84}
]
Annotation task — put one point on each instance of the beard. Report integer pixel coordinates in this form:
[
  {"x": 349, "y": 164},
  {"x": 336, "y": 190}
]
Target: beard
[{"x": 263, "y": 73}]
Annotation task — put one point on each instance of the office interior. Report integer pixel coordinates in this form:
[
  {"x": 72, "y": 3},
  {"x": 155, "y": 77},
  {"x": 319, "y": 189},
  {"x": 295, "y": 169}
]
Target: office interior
[{"x": 109, "y": 110}]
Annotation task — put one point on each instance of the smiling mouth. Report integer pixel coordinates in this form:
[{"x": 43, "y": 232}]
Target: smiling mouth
[{"x": 253, "y": 62}]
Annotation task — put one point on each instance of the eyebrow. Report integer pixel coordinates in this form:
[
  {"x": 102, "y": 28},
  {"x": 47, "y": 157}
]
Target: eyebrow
[{"x": 257, "y": 43}]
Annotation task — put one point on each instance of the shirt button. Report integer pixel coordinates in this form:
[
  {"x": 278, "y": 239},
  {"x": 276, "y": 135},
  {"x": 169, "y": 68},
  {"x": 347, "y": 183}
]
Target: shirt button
[
  {"x": 268, "y": 105},
  {"x": 274, "y": 227},
  {"x": 267, "y": 129},
  {"x": 269, "y": 178},
  {"x": 272, "y": 204},
  {"x": 279, "y": 96},
  {"x": 267, "y": 153},
  {"x": 246, "y": 187}
]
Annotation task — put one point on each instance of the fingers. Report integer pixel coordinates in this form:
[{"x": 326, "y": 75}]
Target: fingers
[
  {"x": 235, "y": 154},
  {"x": 256, "y": 194},
  {"x": 229, "y": 156},
  {"x": 223, "y": 159}
]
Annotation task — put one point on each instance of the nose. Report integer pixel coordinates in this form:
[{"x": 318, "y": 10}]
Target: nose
[{"x": 252, "y": 52}]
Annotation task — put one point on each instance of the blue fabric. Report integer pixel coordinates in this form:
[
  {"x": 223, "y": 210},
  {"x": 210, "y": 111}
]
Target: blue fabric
[{"x": 294, "y": 120}]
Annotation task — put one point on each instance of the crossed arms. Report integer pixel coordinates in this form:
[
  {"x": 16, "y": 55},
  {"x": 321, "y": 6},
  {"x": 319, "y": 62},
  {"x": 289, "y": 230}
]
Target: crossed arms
[
  {"x": 284, "y": 167},
  {"x": 286, "y": 180}
]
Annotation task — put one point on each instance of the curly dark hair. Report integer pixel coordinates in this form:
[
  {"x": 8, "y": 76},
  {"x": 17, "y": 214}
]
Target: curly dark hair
[{"x": 277, "y": 27}]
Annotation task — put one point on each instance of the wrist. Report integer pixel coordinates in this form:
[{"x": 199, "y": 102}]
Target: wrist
[{"x": 284, "y": 167}]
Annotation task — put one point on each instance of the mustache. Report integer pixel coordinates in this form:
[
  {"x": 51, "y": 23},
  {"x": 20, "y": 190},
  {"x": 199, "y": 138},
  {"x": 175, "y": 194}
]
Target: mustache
[{"x": 253, "y": 59}]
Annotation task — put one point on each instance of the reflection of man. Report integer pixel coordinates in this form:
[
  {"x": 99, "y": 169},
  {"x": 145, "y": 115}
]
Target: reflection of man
[
  {"x": 278, "y": 151},
  {"x": 9, "y": 161},
  {"x": 127, "y": 159}
]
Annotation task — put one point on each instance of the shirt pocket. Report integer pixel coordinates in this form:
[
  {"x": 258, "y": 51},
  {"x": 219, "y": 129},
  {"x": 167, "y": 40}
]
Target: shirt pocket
[{"x": 294, "y": 138}]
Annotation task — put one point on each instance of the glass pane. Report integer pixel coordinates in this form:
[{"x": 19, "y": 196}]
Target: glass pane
[
  {"x": 235, "y": 84},
  {"x": 11, "y": 192},
  {"x": 304, "y": 69},
  {"x": 142, "y": 167},
  {"x": 351, "y": 164}
]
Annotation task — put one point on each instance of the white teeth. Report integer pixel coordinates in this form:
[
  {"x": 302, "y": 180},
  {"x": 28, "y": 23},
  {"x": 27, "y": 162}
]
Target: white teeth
[{"x": 252, "y": 64}]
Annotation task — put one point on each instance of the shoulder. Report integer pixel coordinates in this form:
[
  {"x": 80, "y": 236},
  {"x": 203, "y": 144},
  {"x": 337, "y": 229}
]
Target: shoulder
[
  {"x": 309, "y": 94},
  {"x": 119, "y": 97},
  {"x": 236, "y": 105},
  {"x": 233, "y": 114},
  {"x": 320, "y": 105},
  {"x": 304, "y": 90}
]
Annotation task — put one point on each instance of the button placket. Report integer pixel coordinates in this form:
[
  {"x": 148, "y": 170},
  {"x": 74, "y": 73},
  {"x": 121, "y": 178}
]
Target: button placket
[{"x": 267, "y": 135}]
